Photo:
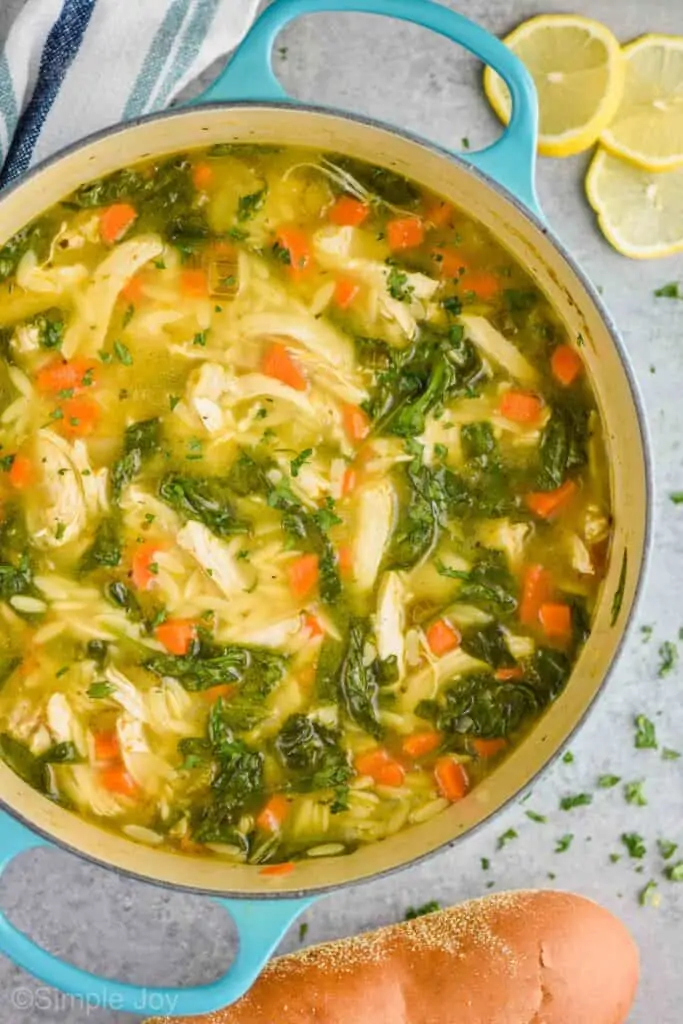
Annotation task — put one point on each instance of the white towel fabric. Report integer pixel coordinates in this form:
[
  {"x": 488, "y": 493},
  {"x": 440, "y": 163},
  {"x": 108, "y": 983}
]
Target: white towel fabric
[{"x": 70, "y": 67}]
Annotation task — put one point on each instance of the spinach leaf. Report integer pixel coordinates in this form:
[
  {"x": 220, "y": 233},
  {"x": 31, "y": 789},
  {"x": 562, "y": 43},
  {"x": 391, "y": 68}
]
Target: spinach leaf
[
  {"x": 479, "y": 705},
  {"x": 563, "y": 446},
  {"x": 16, "y": 569},
  {"x": 305, "y": 531},
  {"x": 420, "y": 521},
  {"x": 247, "y": 476},
  {"x": 61, "y": 753},
  {"x": 249, "y": 205},
  {"x": 36, "y": 236},
  {"x": 358, "y": 683},
  {"x": 123, "y": 597},
  {"x": 477, "y": 440},
  {"x": 105, "y": 549},
  {"x": 256, "y": 669},
  {"x": 520, "y": 300},
  {"x": 208, "y": 499},
  {"x": 386, "y": 185},
  {"x": 16, "y": 579},
  {"x": 140, "y": 441},
  {"x": 20, "y": 759},
  {"x": 488, "y": 644},
  {"x": 313, "y": 755},
  {"x": 490, "y": 585},
  {"x": 328, "y": 668}
]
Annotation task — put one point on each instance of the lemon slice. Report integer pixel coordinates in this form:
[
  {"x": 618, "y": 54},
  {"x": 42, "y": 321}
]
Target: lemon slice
[
  {"x": 648, "y": 126},
  {"x": 578, "y": 67},
  {"x": 640, "y": 213}
]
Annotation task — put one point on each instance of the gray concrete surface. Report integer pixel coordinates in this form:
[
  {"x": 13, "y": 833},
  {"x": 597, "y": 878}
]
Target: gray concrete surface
[{"x": 148, "y": 935}]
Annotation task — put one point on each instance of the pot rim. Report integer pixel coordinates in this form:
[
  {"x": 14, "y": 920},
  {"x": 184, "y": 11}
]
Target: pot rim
[{"x": 539, "y": 225}]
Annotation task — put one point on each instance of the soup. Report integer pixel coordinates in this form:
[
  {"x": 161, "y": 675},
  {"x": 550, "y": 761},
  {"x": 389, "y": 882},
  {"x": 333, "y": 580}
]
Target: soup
[{"x": 305, "y": 506}]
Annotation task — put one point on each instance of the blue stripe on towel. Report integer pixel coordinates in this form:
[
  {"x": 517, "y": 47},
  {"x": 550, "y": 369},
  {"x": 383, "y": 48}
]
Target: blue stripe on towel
[
  {"x": 155, "y": 61},
  {"x": 61, "y": 47},
  {"x": 8, "y": 102},
  {"x": 190, "y": 45}
]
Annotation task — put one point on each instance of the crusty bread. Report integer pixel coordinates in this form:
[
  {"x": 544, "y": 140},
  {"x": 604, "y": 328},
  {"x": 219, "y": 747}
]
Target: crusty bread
[{"x": 514, "y": 958}]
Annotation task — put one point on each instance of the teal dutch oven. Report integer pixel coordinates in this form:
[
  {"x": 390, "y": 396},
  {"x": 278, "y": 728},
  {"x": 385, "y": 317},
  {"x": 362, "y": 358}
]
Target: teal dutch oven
[{"x": 495, "y": 186}]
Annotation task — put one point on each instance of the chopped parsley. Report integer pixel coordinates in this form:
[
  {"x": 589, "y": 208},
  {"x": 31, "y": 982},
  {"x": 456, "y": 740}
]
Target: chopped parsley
[
  {"x": 676, "y": 497},
  {"x": 568, "y": 757},
  {"x": 668, "y": 658},
  {"x": 568, "y": 803},
  {"x": 200, "y": 339},
  {"x": 666, "y": 848},
  {"x": 607, "y": 781},
  {"x": 173, "y": 401},
  {"x": 485, "y": 864},
  {"x": 507, "y": 837},
  {"x": 465, "y": 142},
  {"x": 669, "y": 291},
  {"x": 675, "y": 872},
  {"x": 128, "y": 315},
  {"x": 564, "y": 842},
  {"x": 648, "y": 896},
  {"x": 534, "y": 816},
  {"x": 100, "y": 690},
  {"x": 633, "y": 793},
  {"x": 122, "y": 353},
  {"x": 303, "y": 931},
  {"x": 301, "y": 459},
  {"x": 426, "y": 908},
  {"x": 250, "y": 204},
  {"x": 646, "y": 633},
  {"x": 670, "y": 755},
  {"x": 634, "y": 843},
  {"x": 397, "y": 283},
  {"x": 646, "y": 737}
]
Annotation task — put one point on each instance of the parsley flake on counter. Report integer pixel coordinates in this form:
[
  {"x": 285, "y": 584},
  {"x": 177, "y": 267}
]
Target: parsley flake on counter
[
  {"x": 670, "y": 755},
  {"x": 676, "y": 497},
  {"x": 485, "y": 864},
  {"x": 646, "y": 633},
  {"x": 507, "y": 837},
  {"x": 607, "y": 781},
  {"x": 633, "y": 793},
  {"x": 666, "y": 848},
  {"x": 645, "y": 738},
  {"x": 668, "y": 657},
  {"x": 426, "y": 908},
  {"x": 669, "y": 291},
  {"x": 303, "y": 931},
  {"x": 564, "y": 842},
  {"x": 648, "y": 895},
  {"x": 567, "y": 803},
  {"x": 568, "y": 757},
  {"x": 634, "y": 843},
  {"x": 675, "y": 872},
  {"x": 534, "y": 816},
  {"x": 615, "y": 858}
]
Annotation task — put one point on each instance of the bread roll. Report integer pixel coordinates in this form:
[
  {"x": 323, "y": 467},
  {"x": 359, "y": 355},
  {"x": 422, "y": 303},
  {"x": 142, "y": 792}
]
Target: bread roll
[{"x": 514, "y": 958}]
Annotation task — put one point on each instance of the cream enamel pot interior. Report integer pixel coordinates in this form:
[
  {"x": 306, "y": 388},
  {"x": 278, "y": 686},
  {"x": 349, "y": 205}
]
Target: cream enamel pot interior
[{"x": 512, "y": 215}]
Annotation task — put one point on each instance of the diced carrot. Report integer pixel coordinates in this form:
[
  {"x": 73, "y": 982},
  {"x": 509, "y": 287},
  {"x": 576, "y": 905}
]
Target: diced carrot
[
  {"x": 484, "y": 284},
  {"x": 273, "y": 815},
  {"x": 349, "y": 481},
  {"x": 303, "y": 575},
  {"x": 194, "y": 283},
  {"x": 451, "y": 778},
  {"x": 80, "y": 416},
  {"x": 440, "y": 214},
  {"x": 405, "y": 233},
  {"x": 142, "y": 570},
  {"x": 176, "y": 635},
  {"x": 507, "y": 675},
  {"x": 132, "y": 290},
  {"x": 380, "y": 766},
  {"x": 548, "y": 504},
  {"x": 276, "y": 870},
  {"x": 225, "y": 690},
  {"x": 115, "y": 221},
  {"x": 422, "y": 743},
  {"x": 356, "y": 422},
  {"x": 521, "y": 406},
  {"x": 278, "y": 363},
  {"x": 537, "y": 587},
  {"x": 488, "y": 748},
  {"x": 22, "y": 473},
  {"x": 63, "y": 375},
  {"x": 345, "y": 560},
  {"x": 565, "y": 364},
  {"x": 107, "y": 746},
  {"x": 450, "y": 262},
  {"x": 442, "y": 637},
  {"x": 345, "y": 292},
  {"x": 556, "y": 620},
  {"x": 298, "y": 245},
  {"x": 312, "y": 624},
  {"x": 117, "y": 780},
  {"x": 202, "y": 176},
  {"x": 348, "y": 212}
]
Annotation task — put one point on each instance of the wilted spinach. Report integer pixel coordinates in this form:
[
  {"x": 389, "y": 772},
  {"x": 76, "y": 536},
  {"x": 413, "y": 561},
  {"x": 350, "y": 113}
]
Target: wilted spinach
[
  {"x": 140, "y": 441},
  {"x": 255, "y": 669},
  {"x": 313, "y": 755},
  {"x": 207, "y": 499}
]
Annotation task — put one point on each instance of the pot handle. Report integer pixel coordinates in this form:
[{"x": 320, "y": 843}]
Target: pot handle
[
  {"x": 260, "y": 926},
  {"x": 510, "y": 161}
]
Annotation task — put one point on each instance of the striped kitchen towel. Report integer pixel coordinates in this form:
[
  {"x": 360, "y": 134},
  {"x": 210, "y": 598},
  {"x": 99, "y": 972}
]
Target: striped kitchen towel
[{"x": 70, "y": 67}]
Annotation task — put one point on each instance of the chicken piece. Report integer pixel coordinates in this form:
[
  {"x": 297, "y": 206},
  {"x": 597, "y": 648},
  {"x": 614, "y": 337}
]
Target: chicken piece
[
  {"x": 125, "y": 693},
  {"x": 60, "y": 510},
  {"x": 580, "y": 555},
  {"x": 390, "y": 620},
  {"x": 46, "y": 279},
  {"x": 424, "y": 684},
  {"x": 375, "y": 517},
  {"x": 322, "y": 339},
  {"x": 504, "y": 535},
  {"x": 216, "y": 558},
  {"x": 147, "y": 769},
  {"x": 497, "y": 347}
]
